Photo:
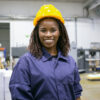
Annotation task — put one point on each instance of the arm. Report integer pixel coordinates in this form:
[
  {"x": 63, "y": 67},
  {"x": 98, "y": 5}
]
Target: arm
[
  {"x": 19, "y": 85},
  {"x": 77, "y": 85}
]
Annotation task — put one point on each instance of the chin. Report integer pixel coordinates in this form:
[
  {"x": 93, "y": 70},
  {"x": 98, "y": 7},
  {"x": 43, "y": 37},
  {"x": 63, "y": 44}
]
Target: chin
[{"x": 48, "y": 46}]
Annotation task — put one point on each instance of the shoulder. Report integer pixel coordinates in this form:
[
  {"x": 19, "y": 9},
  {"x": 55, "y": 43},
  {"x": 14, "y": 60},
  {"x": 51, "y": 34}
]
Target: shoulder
[
  {"x": 71, "y": 62},
  {"x": 24, "y": 60},
  {"x": 70, "y": 59},
  {"x": 27, "y": 56}
]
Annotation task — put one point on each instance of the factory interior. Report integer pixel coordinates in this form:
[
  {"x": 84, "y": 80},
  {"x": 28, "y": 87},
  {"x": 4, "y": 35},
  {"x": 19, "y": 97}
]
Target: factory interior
[{"x": 82, "y": 21}]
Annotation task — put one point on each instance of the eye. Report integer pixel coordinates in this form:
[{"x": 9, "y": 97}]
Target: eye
[
  {"x": 53, "y": 30},
  {"x": 42, "y": 30}
]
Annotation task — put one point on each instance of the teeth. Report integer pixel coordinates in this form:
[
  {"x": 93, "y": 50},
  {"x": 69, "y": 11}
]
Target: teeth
[{"x": 48, "y": 40}]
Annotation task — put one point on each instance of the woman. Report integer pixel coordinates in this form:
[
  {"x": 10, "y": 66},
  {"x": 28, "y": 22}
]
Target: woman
[{"x": 46, "y": 72}]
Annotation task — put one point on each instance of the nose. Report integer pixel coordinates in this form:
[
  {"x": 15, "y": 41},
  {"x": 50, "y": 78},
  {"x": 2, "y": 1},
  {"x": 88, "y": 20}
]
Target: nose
[{"x": 48, "y": 34}]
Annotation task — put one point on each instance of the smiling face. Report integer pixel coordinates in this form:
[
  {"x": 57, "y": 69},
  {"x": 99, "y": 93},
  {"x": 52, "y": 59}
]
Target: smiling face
[{"x": 49, "y": 33}]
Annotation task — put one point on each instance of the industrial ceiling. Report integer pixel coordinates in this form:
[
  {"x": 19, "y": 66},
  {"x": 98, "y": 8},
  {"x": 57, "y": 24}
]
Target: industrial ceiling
[{"x": 51, "y": 0}]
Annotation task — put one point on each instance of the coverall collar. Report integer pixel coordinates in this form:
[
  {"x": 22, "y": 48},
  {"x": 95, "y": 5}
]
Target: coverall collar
[{"x": 46, "y": 56}]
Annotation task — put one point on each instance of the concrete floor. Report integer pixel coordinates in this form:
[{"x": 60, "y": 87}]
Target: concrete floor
[{"x": 91, "y": 89}]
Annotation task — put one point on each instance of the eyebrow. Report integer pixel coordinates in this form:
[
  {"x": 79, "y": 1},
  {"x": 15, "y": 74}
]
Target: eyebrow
[{"x": 42, "y": 28}]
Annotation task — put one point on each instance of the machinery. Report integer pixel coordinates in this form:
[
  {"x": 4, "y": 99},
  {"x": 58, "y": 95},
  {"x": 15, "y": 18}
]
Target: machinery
[{"x": 2, "y": 57}]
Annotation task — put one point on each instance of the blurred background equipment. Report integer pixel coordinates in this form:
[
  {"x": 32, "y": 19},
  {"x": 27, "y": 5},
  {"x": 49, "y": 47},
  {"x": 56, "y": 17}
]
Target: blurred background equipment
[
  {"x": 2, "y": 58},
  {"x": 4, "y": 84}
]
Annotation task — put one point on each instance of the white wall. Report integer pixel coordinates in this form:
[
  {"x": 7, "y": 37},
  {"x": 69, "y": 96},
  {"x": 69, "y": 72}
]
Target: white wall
[
  {"x": 20, "y": 33},
  {"x": 88, "y": 31},
  {"x": 70, "y": 26}
]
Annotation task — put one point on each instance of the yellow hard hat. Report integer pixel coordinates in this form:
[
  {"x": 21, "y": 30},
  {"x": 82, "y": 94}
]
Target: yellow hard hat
[{"x": 48, "y": 11}]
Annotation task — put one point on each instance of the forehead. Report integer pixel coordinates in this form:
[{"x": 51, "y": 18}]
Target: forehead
[{"x": 48, "y": 22}]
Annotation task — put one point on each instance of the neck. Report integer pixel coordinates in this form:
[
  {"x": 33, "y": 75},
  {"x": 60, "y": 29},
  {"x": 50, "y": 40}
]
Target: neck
[{"x": 53, "y": 52}]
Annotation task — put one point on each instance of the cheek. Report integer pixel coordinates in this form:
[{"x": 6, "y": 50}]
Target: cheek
[
  {"x": 40, "y": 36},
  {"x": 58, "y": 35}
]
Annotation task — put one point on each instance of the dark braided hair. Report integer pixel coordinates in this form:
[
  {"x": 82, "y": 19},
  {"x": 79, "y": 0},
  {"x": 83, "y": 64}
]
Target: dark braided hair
[{"x": 35, "y": 46}]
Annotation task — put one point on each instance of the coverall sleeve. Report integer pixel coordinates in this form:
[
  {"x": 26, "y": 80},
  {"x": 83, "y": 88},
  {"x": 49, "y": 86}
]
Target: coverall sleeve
[
  {"x": 19, "y": 84},
  {"x": 77, "y": 85}
]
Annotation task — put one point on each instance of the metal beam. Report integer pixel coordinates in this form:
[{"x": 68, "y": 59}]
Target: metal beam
[
  {"x": 94, "y": 5},
  {"x": 88, "y": 3}
]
